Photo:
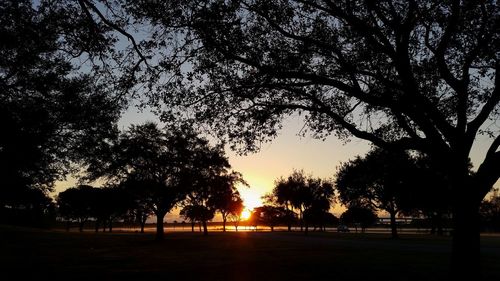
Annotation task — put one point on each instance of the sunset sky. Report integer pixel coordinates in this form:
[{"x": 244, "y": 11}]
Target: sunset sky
[{"x": 278, "y": 158}]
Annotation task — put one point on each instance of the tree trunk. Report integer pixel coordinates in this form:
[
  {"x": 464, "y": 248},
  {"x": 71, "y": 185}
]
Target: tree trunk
[
  {"x": 80, "y": 227},
  {"x": 394, "y": 226},
  {"x": 224, "y": 219},
  {"x": 199, "y": 225},
  {"x": 142, "y": 226},
  {"x": 301, "y": 219},
  {"x": 110, "y": 225},
  {"x": 192, "y": 226},
  {"x": 96, "y": 226},
  {"x": 289, "y": 218},
  {"x": 159, "y": 226},
  {"x": 439, "y": 224},
  {"x": 205, "y": 228},
  {"x": 466, "y": 239}
]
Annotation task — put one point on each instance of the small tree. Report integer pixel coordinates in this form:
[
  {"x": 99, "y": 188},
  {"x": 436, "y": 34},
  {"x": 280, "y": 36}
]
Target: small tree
[
  {"x": 162, "y": 162},
  {"x": 381, "y": 180},
  {"x": 198, "y": 213},
  {"x": 302, "y": 193},
  {"x": 269, "y": 216},
  {"x": 226, "y": 199},
  {"x": 361, "y": 216},
  {"x": 232, "y": 210},
  {"x": 190, "y": 213},
  {"x": 108, "y": 205},
  {"x": 76, "y": 203},
  {"x": 490, "y": 212}
]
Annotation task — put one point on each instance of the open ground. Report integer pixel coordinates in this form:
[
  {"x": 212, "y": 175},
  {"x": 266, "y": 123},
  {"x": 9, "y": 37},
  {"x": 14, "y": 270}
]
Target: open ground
[{"x": 58, "y": 255}]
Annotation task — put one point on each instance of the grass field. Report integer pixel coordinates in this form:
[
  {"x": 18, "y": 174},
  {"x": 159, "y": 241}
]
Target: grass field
[{"x": 57, "y": 255}]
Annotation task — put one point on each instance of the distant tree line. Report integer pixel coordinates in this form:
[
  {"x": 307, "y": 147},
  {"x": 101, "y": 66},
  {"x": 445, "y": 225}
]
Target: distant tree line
[{"x": 149, "y": 171}]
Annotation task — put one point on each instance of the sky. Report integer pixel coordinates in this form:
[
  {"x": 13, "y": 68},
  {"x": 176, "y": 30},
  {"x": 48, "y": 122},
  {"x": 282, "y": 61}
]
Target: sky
[
  {"x": 281, "y": 156},
  {"x": 275, "y": 159}
]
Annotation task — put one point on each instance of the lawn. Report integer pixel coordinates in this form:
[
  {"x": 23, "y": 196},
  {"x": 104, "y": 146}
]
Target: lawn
[{"x": 57, "y": 255}]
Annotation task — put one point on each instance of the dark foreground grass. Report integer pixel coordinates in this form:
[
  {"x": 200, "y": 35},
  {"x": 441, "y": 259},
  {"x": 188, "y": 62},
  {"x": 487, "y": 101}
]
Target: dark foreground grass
[{"x": 53, "y": 255}]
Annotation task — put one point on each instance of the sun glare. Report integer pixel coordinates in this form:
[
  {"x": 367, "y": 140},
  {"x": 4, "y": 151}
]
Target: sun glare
[
  {"x": 251, "y": 199},
  {"x": 245, "y": 215}
]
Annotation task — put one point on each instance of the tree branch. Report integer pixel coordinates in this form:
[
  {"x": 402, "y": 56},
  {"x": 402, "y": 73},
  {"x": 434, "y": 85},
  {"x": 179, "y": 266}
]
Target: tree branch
[
  {"x": 490, "y": 105},
  {"x": 85, "y": 4},
  {"x": 488, "y": 173}
]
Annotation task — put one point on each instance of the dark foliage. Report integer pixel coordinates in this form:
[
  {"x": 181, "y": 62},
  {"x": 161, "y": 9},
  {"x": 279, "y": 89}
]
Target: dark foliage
[
  {"x": 359, "y": 217},
  {"x": 51, "y": 112}
]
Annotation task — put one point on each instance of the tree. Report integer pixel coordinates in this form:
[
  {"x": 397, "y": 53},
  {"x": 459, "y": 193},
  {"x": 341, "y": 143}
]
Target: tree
[
  {"x": 29, "y": 207},
  {"x": 361, "y": 216},
  {"x": 269, "y": 215},
  {"x": 228, "y": 204},
  {"x": 225, "y": 198},
  {"x": 141, "y": 207},
  {"x": 428, "y": 179},
  {"x": 417, "y": 75},
  {"x": 76, "y": 203},
  {"x": 302, "y": 193},
  {"x": 51, "y": 110},
  {"x": 162, "y": 162},
  {"x": 381, "y": 180},
  {"x": 192, "y": 214},
  {"x": 235, "y": 216},
  {"x": 490, "y": 212},
  {"x": 109, "y": 204},
  {"x": 214, "y": 189},
  {"x": 320, "y": 218},
  {"x": 318, "y": 199}
]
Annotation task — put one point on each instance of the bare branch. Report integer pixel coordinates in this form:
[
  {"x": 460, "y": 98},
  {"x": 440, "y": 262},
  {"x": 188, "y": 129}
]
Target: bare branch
[
  {"x": 485, "y": 112},
  {"x": 85, "y": 4}
]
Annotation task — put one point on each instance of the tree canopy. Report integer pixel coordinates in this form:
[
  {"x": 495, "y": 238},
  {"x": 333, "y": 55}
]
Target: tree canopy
[
  {"x": 401, "y": 74},
  {"x": 382, "y": 180},
  {"x": 417, "y": 75},
  {"x": 305, "y": 194},
  {"x": 51, "y": 112},
  {"x": 161, "y": 167}
]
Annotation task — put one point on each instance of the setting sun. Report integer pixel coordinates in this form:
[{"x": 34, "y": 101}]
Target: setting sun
[
  {"x": 251, "y": 197},
  {"x": 245, "y": 215}
]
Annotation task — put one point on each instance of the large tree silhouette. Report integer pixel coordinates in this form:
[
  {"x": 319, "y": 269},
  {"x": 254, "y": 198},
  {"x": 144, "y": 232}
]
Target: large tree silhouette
[
  {"x": 227, "y": 199},
  {"x": 214, "y": 189},
  {"x": 76, "y": 204},
  {"x": 401, "y": 74},
  {"x": 51, "y": 112},
  {"x": 160, "y": 166},
  {"x": 382, "y": 180}
]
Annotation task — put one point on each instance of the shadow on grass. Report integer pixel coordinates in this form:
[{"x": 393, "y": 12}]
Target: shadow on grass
[{"x": 229, "y": 256}]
